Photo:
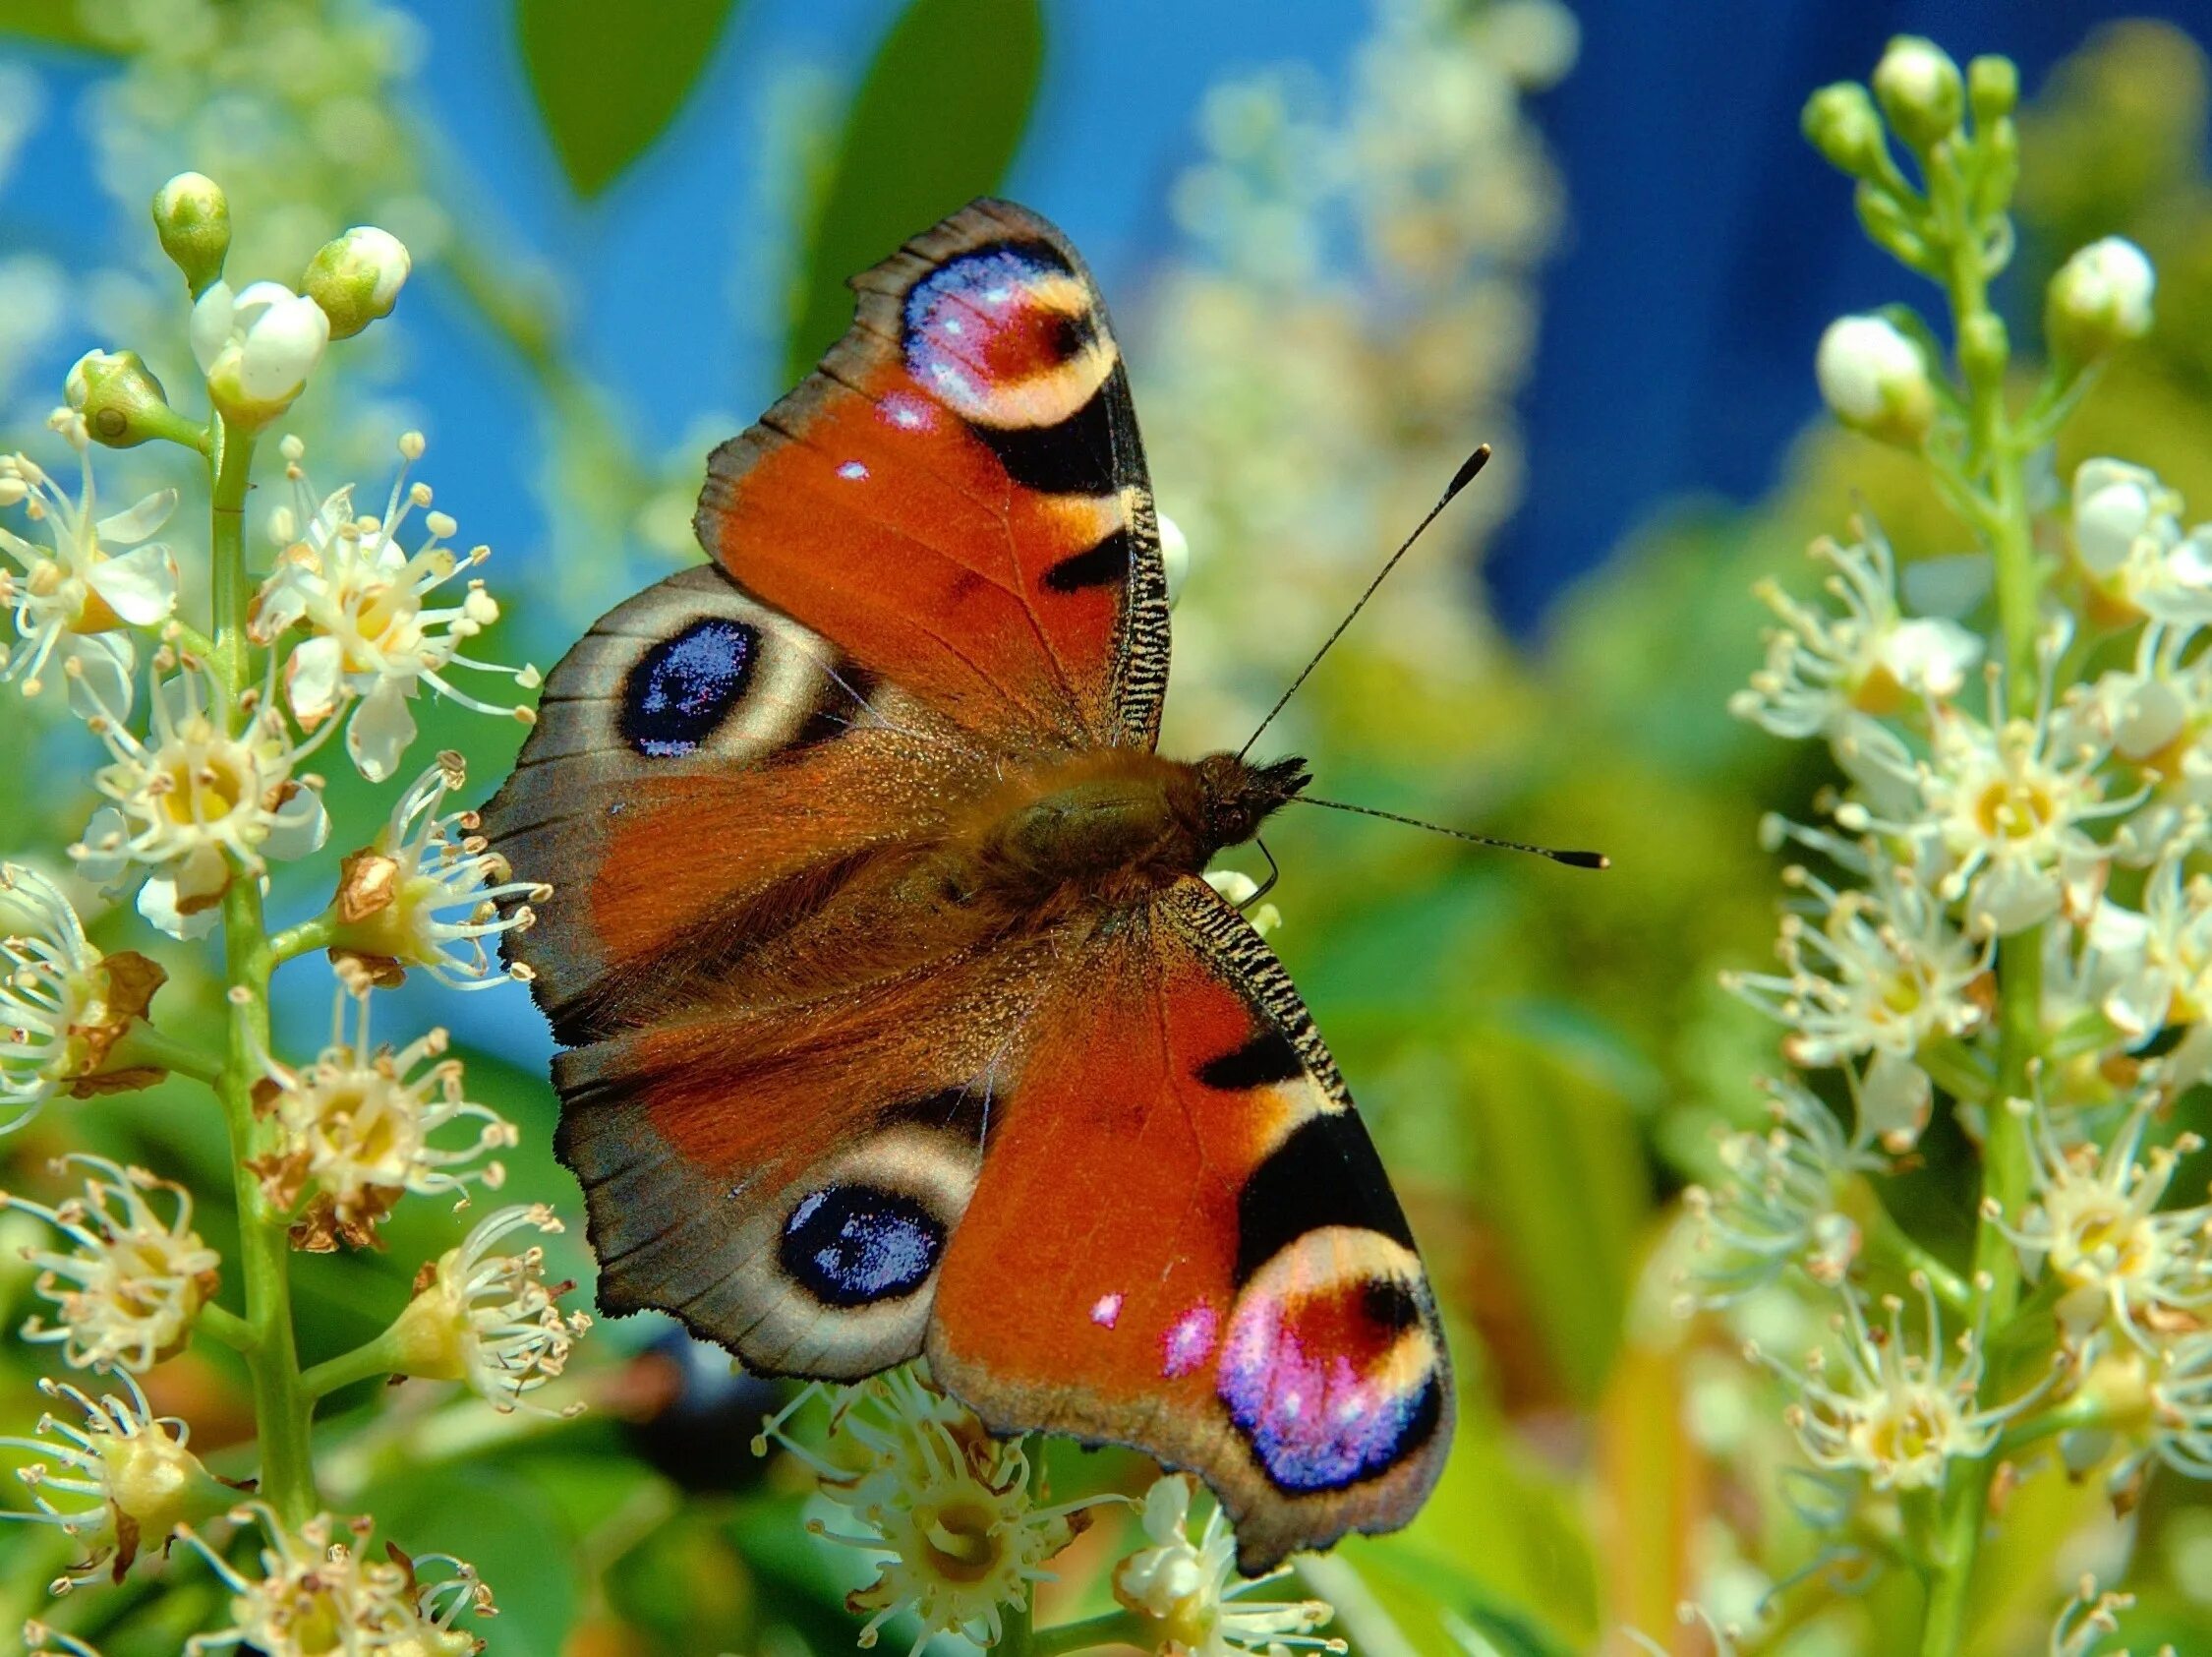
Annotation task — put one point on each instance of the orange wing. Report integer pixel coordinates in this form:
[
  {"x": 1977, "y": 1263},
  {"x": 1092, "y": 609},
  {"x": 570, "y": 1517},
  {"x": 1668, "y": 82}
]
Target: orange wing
[
  {"x": 957, "y": 495},
  {"x": 1183, "y": 1240}
]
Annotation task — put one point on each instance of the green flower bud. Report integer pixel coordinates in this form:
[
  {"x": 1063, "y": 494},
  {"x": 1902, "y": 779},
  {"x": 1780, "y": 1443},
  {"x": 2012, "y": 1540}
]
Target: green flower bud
[
  {"x": 122, "y": 403},
  {"x": 1993, "y": 88},
  {"x": 1919, "y": 89},
  {"x": 356, "y": 278},
  {"x": 1985, "y": 346},
  {"x": 1876, "y": 378},
  {"x": 1841, "y": 123},
  {"x": 2100, "y": 298},
  {"x": 192, "y": 216}
]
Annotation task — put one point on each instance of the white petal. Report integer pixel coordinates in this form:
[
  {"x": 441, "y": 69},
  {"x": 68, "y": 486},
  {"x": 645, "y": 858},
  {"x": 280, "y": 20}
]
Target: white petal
[
  {"x": 157, "y": 902},
  {"x": 212, "y": 320},
  {"x": 381, "y": 730},
  {"x": 282, "y": 347},
  {"x": 142, "y": 520},
  {"x": 141, "y": 587},
  {"x": 1894, "y": 1100},
  {"x": 106, "y": 854},
  {"x": 108, "y": 677},
  {"x": 299, "y": 827},
  {"x": 311, "y": 680}
]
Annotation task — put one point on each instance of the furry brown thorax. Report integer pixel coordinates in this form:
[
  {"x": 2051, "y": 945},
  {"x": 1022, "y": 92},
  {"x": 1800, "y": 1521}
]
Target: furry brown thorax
[{"x": 1111, "y": 826}]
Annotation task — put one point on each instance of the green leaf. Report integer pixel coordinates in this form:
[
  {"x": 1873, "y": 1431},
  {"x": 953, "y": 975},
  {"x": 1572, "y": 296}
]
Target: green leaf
[
  {"x": 936, "y": 122},
  {"x": 609, "y": 80},
  {"x": 54, "y": 22}
]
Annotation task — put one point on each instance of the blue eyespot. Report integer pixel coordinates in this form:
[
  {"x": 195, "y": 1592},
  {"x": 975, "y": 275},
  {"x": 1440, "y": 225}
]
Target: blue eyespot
[
  {"x": 853, "y": 1245},
  {"x": 684, "y": 687}
]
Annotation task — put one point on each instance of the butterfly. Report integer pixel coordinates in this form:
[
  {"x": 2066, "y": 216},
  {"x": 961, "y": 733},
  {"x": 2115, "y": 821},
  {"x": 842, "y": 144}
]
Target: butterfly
[{"x": 896, "y": 1018}]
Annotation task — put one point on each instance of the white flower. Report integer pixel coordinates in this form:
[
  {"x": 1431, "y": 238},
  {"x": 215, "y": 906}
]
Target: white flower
[
  {"x": 131, "y": 1475},
  {"x": 63, "y": 1005},
  {"x": 359, "y": 1127},
  {"x": 1895, "y": 1414},
  {"x": 78, "y": 594},
  {"x": 1783, "y": 1202},
  {"x": 947, "y": 1509},
  {"x": 1880, "y": 972},
  {"x": 361, "y": 596},
  {"x": 430, "y": 892},
  {"x": 190, "y": 802},
  {"x": 2096, "y": 1223},
  {"x": 490, "y": 1319},
  {"x": 2005, "y": 805},
  {"x": 257, "y": 348},
  {"x": 1189, "y": 1591},
  {"x": 1832, "y": 674},
  {"x": 2086, "y": 1619},
  {"x": 2154, "y": 968},
  {"x": 128, "y": 1293},
  {"x": 2101, "y": 296},
  {"x": 326, "y": 1593},
  {"x": 2128, "y": 545},
  {"x": 1876, "y": 378}
]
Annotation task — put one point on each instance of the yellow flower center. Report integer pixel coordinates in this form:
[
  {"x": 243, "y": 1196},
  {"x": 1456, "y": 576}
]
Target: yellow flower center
[
  {"x": 2014, "y": 808},
  {"x": 963, "y": 1545},
  {"x": 203, "y": 790}
]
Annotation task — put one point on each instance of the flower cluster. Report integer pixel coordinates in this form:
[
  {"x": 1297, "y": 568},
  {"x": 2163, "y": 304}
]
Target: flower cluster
[
  {"x": 2006, "y": 914},
  {"x": 1187, "y": 1588},
  {"x": 209, "y": 719}
]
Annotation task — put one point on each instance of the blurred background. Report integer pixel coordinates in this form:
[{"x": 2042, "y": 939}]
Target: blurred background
[{"x": 1343, "y": 242}]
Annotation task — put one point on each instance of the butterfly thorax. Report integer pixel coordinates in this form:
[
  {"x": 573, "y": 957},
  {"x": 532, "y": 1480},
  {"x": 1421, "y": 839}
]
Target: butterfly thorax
[{"x": 1108, "y": 828}]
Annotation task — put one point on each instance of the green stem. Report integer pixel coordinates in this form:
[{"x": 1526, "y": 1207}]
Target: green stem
[
  {"x": 303, "y": 940},
  {"x": 1995, "y": 479},
  {"x": 366, "y": 1362},
  {"x": 282, "y": 1407},
  {"x": 226, "y": 1326}
]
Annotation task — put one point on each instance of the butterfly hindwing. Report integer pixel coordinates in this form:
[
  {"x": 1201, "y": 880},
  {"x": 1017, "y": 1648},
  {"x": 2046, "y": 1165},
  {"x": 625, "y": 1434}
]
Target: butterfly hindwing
[
  {"x": 786, "y": 1180},
  {"x": 1182, "y": 1240},
  {"x": 958, "y": 496}
]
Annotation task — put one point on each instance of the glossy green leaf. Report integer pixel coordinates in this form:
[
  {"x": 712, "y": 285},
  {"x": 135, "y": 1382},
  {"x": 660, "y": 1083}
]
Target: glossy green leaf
[
  {"x": 55, "y": 23},
  {"x": 936, "y": 122},
  {"x": 609, "y": 80}
]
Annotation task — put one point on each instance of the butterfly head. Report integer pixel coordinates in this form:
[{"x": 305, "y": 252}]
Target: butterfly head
[{"x": 1236, "y": 797}]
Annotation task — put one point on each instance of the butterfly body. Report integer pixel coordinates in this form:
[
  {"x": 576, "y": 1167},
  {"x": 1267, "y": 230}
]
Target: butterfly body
[{"x": 898, "y": 1019}]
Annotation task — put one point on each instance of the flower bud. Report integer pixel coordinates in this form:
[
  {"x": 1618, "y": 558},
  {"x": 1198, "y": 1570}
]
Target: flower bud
[
  {"x": 122, "y": 403},
  {"x": 1841, "y": 123},
  {"x": 192, "y": 216},
  {"x": 1993, "y": 88},
  {"x": 1876, "y": 380},
  {"x": 257, "y": 348},
  {"x": 1920, "y": 90},
  {"x": 2100, "y": 298},
  {"x": 1985, "y": 345},
  {"x": 1175, "y": 557},
  {"x": 356, "y": 278}
]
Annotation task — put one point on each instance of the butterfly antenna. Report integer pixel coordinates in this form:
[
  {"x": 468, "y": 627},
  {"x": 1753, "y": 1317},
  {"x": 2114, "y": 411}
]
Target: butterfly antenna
[
  {"x": 1473, "y": 464},
  {"x": 1573, "y": 859}
]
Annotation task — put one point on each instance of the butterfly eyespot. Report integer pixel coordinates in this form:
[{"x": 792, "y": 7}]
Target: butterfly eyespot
[
  {"x": 854, "y": 1245},
  {"x": 685, "y": 686},
  {"x": 1008, "y": 337},
  {"x": 1328, "y": 1368}
]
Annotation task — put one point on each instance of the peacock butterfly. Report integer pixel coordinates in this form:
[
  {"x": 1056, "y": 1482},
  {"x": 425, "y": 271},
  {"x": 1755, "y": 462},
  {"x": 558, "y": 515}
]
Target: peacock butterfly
[{"x": 896, "y": 1018}]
